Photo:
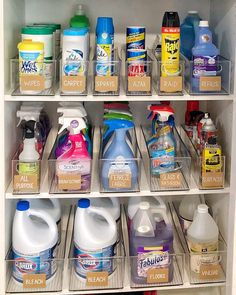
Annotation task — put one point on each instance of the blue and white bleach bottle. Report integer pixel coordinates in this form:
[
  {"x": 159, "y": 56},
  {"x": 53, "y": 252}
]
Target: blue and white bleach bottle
[
  {"x": 104, "y": 46},
  {"x": 34, "y": 244},
  {"x": 205, "y": 55},
  {"x": 95, "y": 236}
]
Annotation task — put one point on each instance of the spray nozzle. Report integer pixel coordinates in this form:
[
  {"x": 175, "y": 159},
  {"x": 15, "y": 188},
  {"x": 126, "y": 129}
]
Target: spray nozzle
[
  {"x": 28, "y": 116},
  {"x": 29, "y": 129},
  {"x": 75, "y": 125},
  {"x": 114, "y": 124},
  {"x": 160, "y": 112}
]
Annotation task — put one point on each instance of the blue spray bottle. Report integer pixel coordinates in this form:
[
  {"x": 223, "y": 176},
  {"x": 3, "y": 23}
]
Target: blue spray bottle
[
  {"x": 162, "y": 145},
  {"x": 119, "y": 167}
]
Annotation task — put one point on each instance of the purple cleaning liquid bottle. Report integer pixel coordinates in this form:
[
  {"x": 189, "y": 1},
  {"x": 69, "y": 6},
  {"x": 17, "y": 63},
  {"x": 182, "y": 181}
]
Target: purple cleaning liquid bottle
[
  {"x": 150, "y": 244},
  {"x": 205, "y": 56}
]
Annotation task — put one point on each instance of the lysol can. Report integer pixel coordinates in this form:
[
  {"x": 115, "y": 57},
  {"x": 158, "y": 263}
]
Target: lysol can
[
  {"x": 135, "y": 38},
  {"x": 137, "y": 62}
]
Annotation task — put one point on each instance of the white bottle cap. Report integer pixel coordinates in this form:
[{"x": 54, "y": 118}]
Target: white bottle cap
[
  {"x": 203, "y": 23},
  {"x": 144, "y": 206},
  {"x": 202, "y": 208},
  {"x": 80, "y": 10},
  {"x": 192, "y": 12}
]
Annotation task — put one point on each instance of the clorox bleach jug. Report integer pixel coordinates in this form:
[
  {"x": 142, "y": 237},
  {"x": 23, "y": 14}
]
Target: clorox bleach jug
[
  {"x": 94, "y": 239},
  {"x": 34, "y": 244},
  {"x": 50, "y": 206}
]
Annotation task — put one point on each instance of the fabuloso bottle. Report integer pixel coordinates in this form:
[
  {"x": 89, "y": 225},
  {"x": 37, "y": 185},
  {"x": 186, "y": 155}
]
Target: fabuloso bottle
[{"x": 170, "y": 50}]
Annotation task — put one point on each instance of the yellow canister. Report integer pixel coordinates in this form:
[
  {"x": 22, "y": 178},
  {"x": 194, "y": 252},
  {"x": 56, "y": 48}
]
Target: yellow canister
[{"x": 31, "y": 57}]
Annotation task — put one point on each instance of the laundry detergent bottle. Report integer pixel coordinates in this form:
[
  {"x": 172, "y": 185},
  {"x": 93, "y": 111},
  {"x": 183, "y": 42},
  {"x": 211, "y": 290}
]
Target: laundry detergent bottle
[
  {"x": 77, "y": 159},
  {"x": 95, "y": 236},
  {"x": 150, "y": 244},
  {"x": 205, "y": 56},
  {"x": 119, "y": 167},
  {"x": 34, "y": 244}
]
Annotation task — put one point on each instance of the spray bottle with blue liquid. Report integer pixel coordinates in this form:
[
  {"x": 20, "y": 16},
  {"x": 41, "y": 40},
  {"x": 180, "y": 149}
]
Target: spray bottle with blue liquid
[
  {"x": 119, "y": 167},
  {"x": 162, "y": 144}
]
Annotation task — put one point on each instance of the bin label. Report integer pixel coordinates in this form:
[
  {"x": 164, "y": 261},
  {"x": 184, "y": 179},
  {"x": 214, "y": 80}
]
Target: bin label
[
  {"x": 210, "y": 271},
  {"x": 34, "y": 281},
  {"x": 69, "y": 181},
  {"x": 139, "y": 84},
  {"x": 170, "y": 180},
  {"x": 105, "y": 84},
  {"x": 120, "y": 180},
  {"x": 158, "y": 275},
  {"x": 73, "y": 83},
  {"x": 171, "y": 84},
  {"x": 210, "y": 83},
  {"x": 97, "y": 279},
  {"x": 212, "y": 179},
  {"x": 32, "y": 83},
  {"x": 25, "y": 183}
]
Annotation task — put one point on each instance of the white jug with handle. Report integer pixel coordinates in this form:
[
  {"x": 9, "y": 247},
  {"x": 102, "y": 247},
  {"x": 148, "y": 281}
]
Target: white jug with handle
[
  {"x": 95, "y": 236},
  {"x": 34, "y": 244}
]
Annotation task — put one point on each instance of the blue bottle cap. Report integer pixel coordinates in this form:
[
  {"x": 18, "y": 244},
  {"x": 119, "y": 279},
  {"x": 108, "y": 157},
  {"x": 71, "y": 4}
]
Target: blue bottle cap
[
  {"x": 22, "y": 206},
  {"x": 84, "y": 203},
  {"x": 105, "y": 24},
  {"x": 75, "y": 32}
]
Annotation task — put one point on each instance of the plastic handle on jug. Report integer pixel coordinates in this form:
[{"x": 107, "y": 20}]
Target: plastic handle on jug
[
  {"x": 55, "y": 203},
  {"x": 106, "y": 215},
  {"x": 45, "y": 217},
  {"x": 162, "y": 213}
]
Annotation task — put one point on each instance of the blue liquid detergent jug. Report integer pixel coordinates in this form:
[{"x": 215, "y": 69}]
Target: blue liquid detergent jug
[
  {"x": 188, "y": 32},
  {"x": 205, "y": 56}
]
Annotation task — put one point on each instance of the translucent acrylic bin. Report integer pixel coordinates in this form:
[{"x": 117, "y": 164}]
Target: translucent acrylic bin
[
  {"x": 121, "y": 175},
  {"x": 32, "y": 83},
  {"x": 167, "y": 83},
  {"x": 108, "y": 83},
  {"x": 203, "y": 268},
  {"x": 109, "y": 276},
  {"x": 26, "y": 175},
  {"x": 177, "y": 176},
  {"x": 205, "y": 178},
  {"x": 77, "y": 178},
  {"x": 74, "y": 77},
  {"x": 138, "y": 77},
  {"x": 218, "y": 84},
  {"x": 36, "y": 282},
  {"x": 169, "y": 268}
]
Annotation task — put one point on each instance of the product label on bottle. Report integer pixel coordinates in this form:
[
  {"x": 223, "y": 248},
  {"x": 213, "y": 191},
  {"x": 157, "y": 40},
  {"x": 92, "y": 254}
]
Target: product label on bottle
[
  {"x": 139, "y": 83},
  {"x": 73, "y": 84},
  {"x": 171, "y": 180},
  {"x": 94, "y": 261},
  {"x": 152, "y": 258},
  {"x": 204, "y": 66},
  {"x": 40, "y": 263},
  {"x": 105, "y": 84},
  {"x": 74, "y": 166},
  {"x": 162, "y": 160},
  {"x": 196, "y": 261},
  {"x": 120, "y": 174},
  {"x": 73, "y": 64},
  {"x": 104, "y": 65}
]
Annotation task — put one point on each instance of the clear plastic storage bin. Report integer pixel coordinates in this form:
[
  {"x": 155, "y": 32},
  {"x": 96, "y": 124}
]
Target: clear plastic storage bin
[
  {"x": 26, "y": 175},
  {"x": 205, "y": 178},
  {"x": 36, "y": 282},
  {"x": 106, "y": 76},
  {"x": 177, "y": 176},
  {"x": 217, "y": 84},
  {"x": 74, "y": 77},
  {"x": 31, "y": 83},
  {"x": 168, "y": 270},
  {"x": 203, "y": 268},
  {"x": 121, "y": 175}
]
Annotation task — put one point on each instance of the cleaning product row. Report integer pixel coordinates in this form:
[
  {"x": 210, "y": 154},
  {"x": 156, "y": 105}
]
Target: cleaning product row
[
  {"x": 96, "y": 236},
  {"x": 35, "y": 126},
  {"x": 201, "y": 232},
  {"x": 119, "y": 165},
  {"x": 73, "y": 149}
]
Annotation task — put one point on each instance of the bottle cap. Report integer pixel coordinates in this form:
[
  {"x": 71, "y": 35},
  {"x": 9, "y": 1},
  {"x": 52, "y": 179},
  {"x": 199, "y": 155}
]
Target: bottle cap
[
  {"x": 84, "y": 203},
  {"x": 22, "y": 205},
  {"x": 203, "y": 23},
  {"x": 144, "y": 206},
  {"x": 75, "y": 31},
  {"x": 80, "y": 10},
  {"x": 105, "y": 24},
  {"x": 37, "y": 30},
  {"x": 192, "y": 12},
  {"x": 202, "y": 208}
]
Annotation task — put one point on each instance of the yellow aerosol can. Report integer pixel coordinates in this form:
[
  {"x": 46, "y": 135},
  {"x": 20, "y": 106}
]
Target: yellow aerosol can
[{"x": 170, "y": 45}]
